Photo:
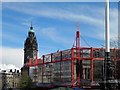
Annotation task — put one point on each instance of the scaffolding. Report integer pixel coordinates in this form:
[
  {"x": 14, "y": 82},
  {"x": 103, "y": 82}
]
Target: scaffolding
[
  {"x": 60, "y": 68},
  {"x": 78, "y": 66}
]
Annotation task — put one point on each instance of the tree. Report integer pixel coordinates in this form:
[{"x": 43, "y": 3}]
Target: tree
[{"x": 25, "y": 81}]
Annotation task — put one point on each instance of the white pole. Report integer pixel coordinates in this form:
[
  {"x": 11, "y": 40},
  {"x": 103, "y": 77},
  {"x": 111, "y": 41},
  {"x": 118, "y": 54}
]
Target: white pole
[{"x": 107, "y": 30}]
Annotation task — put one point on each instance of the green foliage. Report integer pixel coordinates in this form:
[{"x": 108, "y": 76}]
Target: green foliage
[{"x": 25, "y": 81}]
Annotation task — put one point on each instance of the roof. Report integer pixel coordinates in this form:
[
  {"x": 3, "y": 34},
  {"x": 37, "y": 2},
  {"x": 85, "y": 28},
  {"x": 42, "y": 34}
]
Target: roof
[{"x": 31, "y": 29}]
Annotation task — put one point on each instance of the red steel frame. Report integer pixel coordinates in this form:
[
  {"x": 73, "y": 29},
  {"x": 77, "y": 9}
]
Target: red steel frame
[{"x": 74, "y": 57}]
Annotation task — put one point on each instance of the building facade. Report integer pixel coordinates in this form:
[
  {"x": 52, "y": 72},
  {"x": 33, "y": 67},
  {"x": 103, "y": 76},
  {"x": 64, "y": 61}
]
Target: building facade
[{"x": 10, "y": 79}]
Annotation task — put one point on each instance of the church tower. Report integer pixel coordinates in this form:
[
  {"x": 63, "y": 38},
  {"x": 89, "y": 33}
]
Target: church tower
[{"x": 30, "y": 46}]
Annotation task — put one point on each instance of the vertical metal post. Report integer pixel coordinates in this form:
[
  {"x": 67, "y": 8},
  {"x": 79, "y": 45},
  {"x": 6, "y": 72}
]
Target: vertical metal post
[
  {"x": 72, "y": 66},
  {"x": 107, "y": 28},
  {"x": 91, "y": 65},
  {"x": 43, "y": 69},
  {"x": 79, "y": 63},
  {"x": 52, "y": 68},
  {"x": 107, "y": 45},
  {"x": 114, "y": 63},
  {"x": 60, "y": 65},
  {"x": 108, "y": 74},
  {"x": 119, "y": 25},
  {"x": 42, "y": 73},
  {"x": 108, "y": 77}
]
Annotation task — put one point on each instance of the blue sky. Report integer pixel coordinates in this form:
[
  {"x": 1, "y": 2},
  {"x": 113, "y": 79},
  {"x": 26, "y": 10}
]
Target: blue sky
[{"x": 55, "y": 25}]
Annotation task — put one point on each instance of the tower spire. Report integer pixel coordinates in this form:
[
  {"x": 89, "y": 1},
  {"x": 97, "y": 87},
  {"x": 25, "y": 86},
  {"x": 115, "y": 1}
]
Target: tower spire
[{"x": 31, "y": 27}]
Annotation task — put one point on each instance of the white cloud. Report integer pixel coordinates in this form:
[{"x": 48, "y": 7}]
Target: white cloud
[
  {"x": 12, "y": 57},
  {"x": 57, "y": 13},
  {"x": 93, "y": 17}
]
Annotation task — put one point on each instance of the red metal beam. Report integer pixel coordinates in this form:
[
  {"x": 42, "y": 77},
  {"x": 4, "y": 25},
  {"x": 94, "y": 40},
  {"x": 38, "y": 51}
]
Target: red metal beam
[
  {"x": 78, "y": 55},
  {"x": 114, "y": 63},
  {"x": 91, "y": 65},
  {"x": 43, "y": 69},
  {"x": 72, "y": 67}
]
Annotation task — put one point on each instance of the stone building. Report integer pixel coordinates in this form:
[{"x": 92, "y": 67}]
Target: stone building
[{"x": 10, "y": 79}]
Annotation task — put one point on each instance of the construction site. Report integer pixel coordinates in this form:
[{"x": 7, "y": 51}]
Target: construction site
[
  {"x": 78, "y": 66},
  {"x": 83, "y": 67}
]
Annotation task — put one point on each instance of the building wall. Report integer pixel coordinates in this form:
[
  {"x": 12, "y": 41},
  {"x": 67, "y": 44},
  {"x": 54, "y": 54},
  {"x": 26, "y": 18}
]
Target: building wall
[
  {"x": 0, "y": 81},
  {"x": 10, "y": 80}
]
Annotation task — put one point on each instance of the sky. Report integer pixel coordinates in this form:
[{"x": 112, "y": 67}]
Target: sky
[{"x": 55, "y": 25}]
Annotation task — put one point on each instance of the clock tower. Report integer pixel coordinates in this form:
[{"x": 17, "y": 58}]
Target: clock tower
[{"x": 30, "y": 46}]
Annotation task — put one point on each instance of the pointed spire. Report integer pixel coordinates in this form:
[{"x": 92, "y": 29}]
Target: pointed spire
[{"x": 31, "y": 26}]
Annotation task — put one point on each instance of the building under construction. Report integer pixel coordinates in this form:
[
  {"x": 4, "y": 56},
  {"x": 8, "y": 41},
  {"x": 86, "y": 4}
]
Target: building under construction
[{"x": 74, "y": 67}]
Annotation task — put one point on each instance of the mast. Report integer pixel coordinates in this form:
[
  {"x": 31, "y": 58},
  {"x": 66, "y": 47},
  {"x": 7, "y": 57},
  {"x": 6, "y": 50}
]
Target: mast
[
  {"x": 107, "y": 28},
  {"x": 108, "y": 74}
]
